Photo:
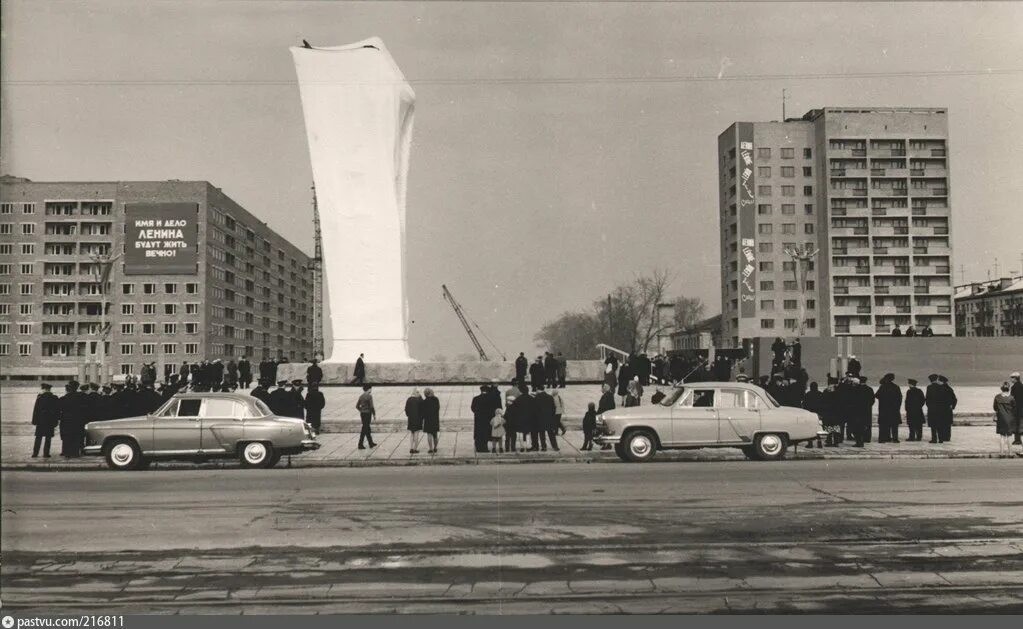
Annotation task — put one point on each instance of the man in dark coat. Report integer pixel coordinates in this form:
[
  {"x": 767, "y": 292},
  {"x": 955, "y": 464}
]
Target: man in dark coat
[
  {"x": 217, "y": 372},
  {"x": 1016, "y": 391},
  {"x": 260, "y": 392},
  {"x": 910, "y": 330},
  {"x": 297, "y": 408},
  {"x": 778, "y": 349},
  {"x": 45, "y": 417},
  {"x": 521, "y": 367},
  {"x": 889, "y": 409},
  {"x": 314, "y": 373},
  {"x": 606, "y": 403},
  {"x": 915, "y": 411},
  {"x": 183, "y": 372},
  {"x": 813, "y": 401},
  {"x": 927, "y": 331},
  {"x": 244, "y": 372},
  {"x": 550, "y": 370},
  {"x": 643, "y": 369},
  {"x": 314, "y": 403},
  {"x": 832, "y": 417},
  {"x": 72, "y": 421},
  {"x": 231, "y": 375},
  {"x": 264, "y": 371},
  {"x": 864, "y": 405},
  {"x": 105, "y": 404},
  {"x": 537, "y": 376},
  {"x": 797, "y": 354},
  {"x": 951, "y": 401},
  {"x": 482, "y": 412},
  {"x": 845, "y": 405},
  {"x": 562, "y": 370},
  {"x": 149, "y": 400},
  {"x": 625, "y": 374},
  {"x": 280, "y": 399},
  {"x": 90, "y": 402},
  {"x": 515, "y": 416},
  {"x": 359, "y": 373},
  {"x": 937, "y": 404},
  {"x": 854, "y": 366},
  {"x": 545, "y": 424}
]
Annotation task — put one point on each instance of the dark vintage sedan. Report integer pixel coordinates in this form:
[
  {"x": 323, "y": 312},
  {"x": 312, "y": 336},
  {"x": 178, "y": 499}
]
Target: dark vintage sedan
[
  {"x": 200, "y": 426},
  {"x": 708, "y": 415}
]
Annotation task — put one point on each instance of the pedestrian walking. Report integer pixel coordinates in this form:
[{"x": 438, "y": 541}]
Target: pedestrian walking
[
  {"x": 550, "y": 370},
  {"x": 414, "y": 420},
  {"x": 889, "y": 409},
  {"x": 559, "y": 411},
  {"x": 915, "y": 418},
  {"x": 359, "y": 372},
  {"x": 314, "y": 403},
  {"x": 497, "y": 432},
  {"x": 366, "y": 412},
  {"x": 1016, "y": 391},
  {"x": 589, "y": 426},
  {"x": 1005, "y": 420},
  {"x": 430, "y": 411},
  {"x": 46, "y": 418}
]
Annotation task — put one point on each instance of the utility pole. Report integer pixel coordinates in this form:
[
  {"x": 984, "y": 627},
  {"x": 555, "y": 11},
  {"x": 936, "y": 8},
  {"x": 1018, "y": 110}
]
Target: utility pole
[
  {"x": 103, "y": 265},
  {"x": 784, "y": 97},
  {"x": 801, "y": 256},
  {"x": 317, "y": 280}
]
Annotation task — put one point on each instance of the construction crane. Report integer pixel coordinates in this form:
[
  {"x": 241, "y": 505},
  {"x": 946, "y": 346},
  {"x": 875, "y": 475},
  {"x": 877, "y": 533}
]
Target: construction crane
[
  {"x": 468, "y": 329},
  {"x": 317, "y": 280}
]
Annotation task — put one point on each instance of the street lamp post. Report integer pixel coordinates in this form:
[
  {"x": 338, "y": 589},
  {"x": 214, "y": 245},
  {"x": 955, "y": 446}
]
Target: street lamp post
[
  {"x": 103, "y": 264},
  {"x": 801, "y": 256}
]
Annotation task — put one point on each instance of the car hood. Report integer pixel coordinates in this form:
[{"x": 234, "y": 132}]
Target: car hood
[{"x": 124, "y": 421}]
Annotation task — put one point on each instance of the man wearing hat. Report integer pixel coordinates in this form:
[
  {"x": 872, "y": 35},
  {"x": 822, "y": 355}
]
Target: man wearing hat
[
  {"x": 297, "y": 408},
  {"x": 951, "y": 401},
  {"x": 314, "y": 373},
  {"x": 1016, "y": 391},
  {"x": 915, "y": 411},
  {"x": 280, "y": 399},
  {"x": 260, "y": 392},
  {"x": 889, "y": 409},
  {"x": 72, "y": 421},
  {"x": 937, "y": 403},
  {"x": 314, "y": 403},
  {"x": 45, "y": 417}
]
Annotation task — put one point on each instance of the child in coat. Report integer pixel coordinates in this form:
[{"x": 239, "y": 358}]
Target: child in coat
[
  {"x": 497, "y": 433},
  {"x": 589, "y": 425}
]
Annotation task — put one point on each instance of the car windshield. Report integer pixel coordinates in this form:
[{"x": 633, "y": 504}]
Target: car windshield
[{"x": 672, "y": 397}]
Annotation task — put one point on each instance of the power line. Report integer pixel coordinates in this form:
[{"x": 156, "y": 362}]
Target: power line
[{"x": 535, "y": 81}]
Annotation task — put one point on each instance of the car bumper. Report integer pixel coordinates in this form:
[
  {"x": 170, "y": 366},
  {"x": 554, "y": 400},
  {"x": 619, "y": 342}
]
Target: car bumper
[
  {"x": 822, "y": 433},
  {"x": 92, "y": 450},
  {"x": 310, "y": 444},
  {"x": 607, "y": 439}
]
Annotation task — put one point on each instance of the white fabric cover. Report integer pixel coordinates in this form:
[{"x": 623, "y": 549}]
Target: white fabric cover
[{"x": 358, "y": 115}]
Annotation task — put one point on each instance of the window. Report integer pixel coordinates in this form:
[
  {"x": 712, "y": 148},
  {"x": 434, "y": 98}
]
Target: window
[
  {"x": 24, "y": 329},
  {"x": 764, "y": 153},
  {"x": 223, "y": 408},
  {"x": 5, "y": 349},
  {"x": 788, "y": 209},
  {"x": 811, "y": 323},
  {"x": 28, "y": 229},
  {"x": 764, "y": 191},
  {"x": 149, "y": 328},
  {"x": 170, "y": 288},
  {"x": 790, "y": 324},
  {"x": 170, "y": 349},
  {"x": 788, "y": 171},
  {"x": 765, "y": 228},
  {"x": 28, "y": 208},
  {"x": 170, "y": 309},
  {"x": 127, "y": 329},
  {"x": 170, "y": 328},
  {"x": 790, "y": 304},
  {"x": 127, "y": 349},
  {"x": 149, "y": 309},
  {"x": 807, "y": 153},
  {"x": 127, "y": 289},
  {"x": 148, "y": 349},
  {"x": 807, "y": 191},
  {"x": 191, "y": 328},
  {"x": 128, "y": 309},
  {"x": 6, "y": 208},
  {"x": 791, "y": 285},
  {"x": 24, "y": 349},
  {"x": 764, "y": 171},
  {"x": 810, "y": 284},
  {"x": 788, "y": 265},
  {"x": 767, "y": 267},
  {"x": 5, "y": 329},
  {"x": 811, "y": 304},
  {"x": 807, "y": 171},
  {"x": 767, "y": 304},
  {"x": 767, "y": 324},
  {"x": 767, "y": 285},
  {"x": 26, "y": 289},
  {"x": 764, "y": 209},
  {"x": 808, "y": 228},
  {"x": 808, "y": 209},
  {"x": 127, "y": 369},
  {"x": 6, "y": 228},
  {"x": 788, "y": 191},
  {"x": 766, "y": 247},
  {"x": 23, "y": 309},
  {"x": 5, "y": 269},
  {"x": 6, "y": 249},
  {"x": 788, "y": 228},
  {"x": 28, "y": 249},
  {"x": 189, "y": 407},
  {"x": 149, "y": 288},
  {"x": 191, "y": 309},
  {"x": 788, "y": 153},
  {"x": 191, "y": 348}
]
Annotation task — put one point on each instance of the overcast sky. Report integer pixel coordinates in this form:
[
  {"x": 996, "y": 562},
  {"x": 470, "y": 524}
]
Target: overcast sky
[{"x": 532, "y": 195}]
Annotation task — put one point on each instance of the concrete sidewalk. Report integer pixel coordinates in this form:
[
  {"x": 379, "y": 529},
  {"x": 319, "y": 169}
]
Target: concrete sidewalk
[{"x": 341, "y": 450}]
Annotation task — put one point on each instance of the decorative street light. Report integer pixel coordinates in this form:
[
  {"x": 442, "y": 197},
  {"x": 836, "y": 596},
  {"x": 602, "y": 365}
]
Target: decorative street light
[
  {"x": 801, "y": 256},
  {"x": 103, "y": 264}
]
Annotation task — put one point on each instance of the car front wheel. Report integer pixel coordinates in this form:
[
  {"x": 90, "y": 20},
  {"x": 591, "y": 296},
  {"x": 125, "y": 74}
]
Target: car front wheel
[
  {"x": 256, "y": 454},
  {"x": 770, "y": 447},
  {"x": 123, "y": 454},
  {"x": 640, "y": 446}
]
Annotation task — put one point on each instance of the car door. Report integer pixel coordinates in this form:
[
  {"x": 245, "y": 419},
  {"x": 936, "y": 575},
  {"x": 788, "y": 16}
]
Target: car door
[
  {"x": 177, "y": 429},
  {"x": 738, "y": 415},
  {"x": 694, "y": 419},
  {"x": 222, "y": 423}
]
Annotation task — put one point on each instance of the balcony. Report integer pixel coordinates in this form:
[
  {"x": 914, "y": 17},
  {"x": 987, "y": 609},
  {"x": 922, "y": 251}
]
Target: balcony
[
  {"x": 876, "y": 151},
  {"x": 889, "y": 192},
  {"x": 931, "y": 270},
  {"x": 847, "y": 193},
  {"x": 930, "y": 192},
  {"x": 859, "y": 290},
  {"x": 850, "y": 310},
  {"x": 927, "y": 152},
  {"x": 849, "y": 231},
  {"x": 933, "y": 210},
  {"x": 850, "y": 270}
]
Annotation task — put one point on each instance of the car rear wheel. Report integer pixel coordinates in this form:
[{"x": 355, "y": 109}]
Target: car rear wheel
[
  {"x": 770, "y": 446},
  {"x": 123, "y": 454},
  {"x": 640, "y": 446},
  {"x": 256, "y": 454}
]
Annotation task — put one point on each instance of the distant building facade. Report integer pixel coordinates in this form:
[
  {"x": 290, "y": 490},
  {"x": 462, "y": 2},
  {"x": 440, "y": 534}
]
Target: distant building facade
[
  {"x": 992, "y": 308},
  {"x": 868, "y": 189},
  {"x": 218, "y": 283}
]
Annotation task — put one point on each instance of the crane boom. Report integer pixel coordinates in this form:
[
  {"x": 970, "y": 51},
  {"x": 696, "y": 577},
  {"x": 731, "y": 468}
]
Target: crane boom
[
  {"x": 465, "y": 324},
  {"x": 317, "y": 280}
]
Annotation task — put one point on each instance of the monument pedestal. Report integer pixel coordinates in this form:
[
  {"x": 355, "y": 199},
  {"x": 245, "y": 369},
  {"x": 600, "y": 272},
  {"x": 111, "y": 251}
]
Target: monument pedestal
[{"x": 579, "y": 371}]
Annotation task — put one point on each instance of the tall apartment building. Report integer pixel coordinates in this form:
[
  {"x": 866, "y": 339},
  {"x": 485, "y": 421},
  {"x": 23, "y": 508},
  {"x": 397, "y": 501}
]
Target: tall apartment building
[
  {"x": 868, "y": 188},
  {"x": 238, "y": 287}
]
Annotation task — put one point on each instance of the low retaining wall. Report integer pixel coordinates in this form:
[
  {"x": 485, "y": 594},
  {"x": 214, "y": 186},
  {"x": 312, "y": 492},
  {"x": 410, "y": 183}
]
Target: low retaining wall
[
  {"x": 578, "y": 371},
  {"x": 964, "y": 361}
]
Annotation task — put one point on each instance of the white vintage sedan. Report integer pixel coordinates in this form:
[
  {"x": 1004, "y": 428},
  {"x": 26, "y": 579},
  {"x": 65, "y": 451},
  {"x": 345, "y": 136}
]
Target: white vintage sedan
[{"x": 708, "y": 415}]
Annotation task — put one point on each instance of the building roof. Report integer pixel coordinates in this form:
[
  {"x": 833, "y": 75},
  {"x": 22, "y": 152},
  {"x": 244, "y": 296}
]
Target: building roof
[{"x": 994, "y": 288}]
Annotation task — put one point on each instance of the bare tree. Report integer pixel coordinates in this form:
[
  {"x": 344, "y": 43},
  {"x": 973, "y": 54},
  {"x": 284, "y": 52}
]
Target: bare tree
[{"x": 688, "y": 312}]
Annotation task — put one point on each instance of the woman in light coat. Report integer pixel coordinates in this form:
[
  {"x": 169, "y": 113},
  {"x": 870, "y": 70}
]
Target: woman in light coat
[
  {"x": 559, "y": 410},
  {"x": 1005, "y": 420}
]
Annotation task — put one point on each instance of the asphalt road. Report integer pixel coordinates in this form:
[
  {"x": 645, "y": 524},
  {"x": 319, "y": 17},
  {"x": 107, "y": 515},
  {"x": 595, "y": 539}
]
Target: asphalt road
[{"x": 802, "y": 536}]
